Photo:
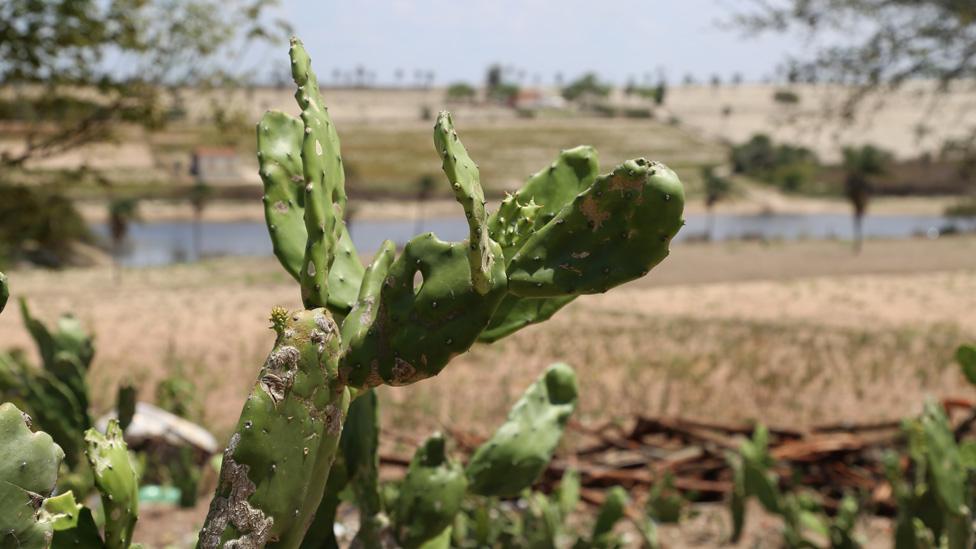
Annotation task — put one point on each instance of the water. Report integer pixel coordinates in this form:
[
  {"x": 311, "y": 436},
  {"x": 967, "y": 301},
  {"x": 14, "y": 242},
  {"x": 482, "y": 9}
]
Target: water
[{"x": 170, "y": 242}]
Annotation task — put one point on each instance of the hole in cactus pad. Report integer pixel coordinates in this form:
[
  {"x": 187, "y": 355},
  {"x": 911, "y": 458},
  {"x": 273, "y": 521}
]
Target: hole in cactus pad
[{"x": 418, "y": 282}]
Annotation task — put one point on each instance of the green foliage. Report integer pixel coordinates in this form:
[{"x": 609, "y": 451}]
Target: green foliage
[
  {"x": 786, "y": 97},
  {"x": 55, "y": 52},
  {"x": 752, "y": 476},
  {"x": 460, "y": 91},
  {"x": 788, "y": 167},
  {"x": 588, "y": 85},
  {"x": 935, "y": 501},
  {"x": 664, "y": 503},
  {"x": 38, "y": 224},
  {"x": 966, "y": 357},
  {"x": 716, "y": 186},
  {"x": 55, "y": 394}
]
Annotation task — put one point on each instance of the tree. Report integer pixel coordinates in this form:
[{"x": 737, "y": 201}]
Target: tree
[
  {"x": 460, "y": 92},
  {"x": 55, "y": 51},
  {"x": 885, "y": 42},
  {"x": 660, "y": 93},
  {"x": 121, "y": 213},
  {"x": 861, "y": 164},
  {"x": 425, "y": 187},
  {"x": 587, "y": 85},
  {"x": 200, "y": 195},
  {"x": 717, "y": 188}
]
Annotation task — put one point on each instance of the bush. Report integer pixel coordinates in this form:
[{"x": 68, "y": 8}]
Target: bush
[
  {"x": 588, "y": 84},
  {"x": 38, "y": 225},
  {"x": 460, "y": 92},
  {"x": 789, "y": 167},
  {"x": 786, "y": 97}
]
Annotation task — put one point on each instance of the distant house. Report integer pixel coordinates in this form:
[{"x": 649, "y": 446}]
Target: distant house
[
  {"x": 535, "y": 99},
  {"x": 215, "y": 165}
]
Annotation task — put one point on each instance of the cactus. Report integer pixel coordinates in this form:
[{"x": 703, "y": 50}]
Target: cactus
[
  {"x": 4, "y": 291},
  {"x": 125, "y": 405},
  {"x": 430, "y": 495},
  {"x": 613, "y": 509},
  {"x": 520, "y": 450},
  {"x": 936, "y": 503},
  {"x": 752, "y": 477},
  {"x": 966, "y": 356},
  {"x": 56, "y": 394},
  {"x": 116, "y": 479},
  {"x": 29, "y": 465},
  {"x": 567, "y": 233}
]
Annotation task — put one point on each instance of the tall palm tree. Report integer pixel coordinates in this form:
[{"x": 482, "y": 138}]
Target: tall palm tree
[
  {"x": 717, "y": 188},
  {"x": 200, "y": 195},
  {"x": 861, "y": 164},
  {"x": 121, "y": 213}
]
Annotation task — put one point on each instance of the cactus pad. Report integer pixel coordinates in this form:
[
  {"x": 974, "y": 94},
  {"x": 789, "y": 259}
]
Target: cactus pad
[
  {"x": 29, "y": 465},
  {"x": 275, "y": 469},
  {"x": 514, "y": 457},
  {"x": 4, "y": 291},
  {"x": 430, "y": 495},
  {"x": 116, "y": 479},
  {"x": 280, "y": 139},
  {"x": 614, "y": 232}
]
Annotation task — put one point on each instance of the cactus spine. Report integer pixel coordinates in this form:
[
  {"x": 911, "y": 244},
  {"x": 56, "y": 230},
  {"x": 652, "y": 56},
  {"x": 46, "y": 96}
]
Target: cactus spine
[{"x": 567, "y": 233}]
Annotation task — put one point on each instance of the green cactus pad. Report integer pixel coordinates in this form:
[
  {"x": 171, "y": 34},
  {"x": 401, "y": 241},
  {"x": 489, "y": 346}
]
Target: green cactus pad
[
  {"x": 542, "y": 197},
  {"x": 515, "y": 313},
  {"x": 125, "y": 405},
  {"x": 117, "y": 481},
  {"x": 614, "y": 232},
  {"x": 29, "y": 465},
  {"x": 465, "y": 182},
  {"x": 514, "y": 457},
  {"x": 415, "y": 331},
  {"x": 944, "y": 461},
  {"x": 4, "y": 291},
  {"x": 430, "y": 495},
  {"x": 966, "y": 357},
  {"x": 613, "y": 509},
  {"x": 321, "y": 533},
  {"x": 360, "y": 451},
  {"x": 548, "y": 192},
  {"x": 275, "y": 469},
  {"x": 280, "y": 138},
  {"x": 73, "y": 524},
  {"x": 325, "y": 195}
]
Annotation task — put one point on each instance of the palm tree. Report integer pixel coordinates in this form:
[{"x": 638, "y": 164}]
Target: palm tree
[
  {"x": 200, "y": 194},
  {"x": 861, "y": 164},
  {"x": 717, "y": 188},
  {"x": 425, "y": 185},
  {"x": 121, "y": 212}
]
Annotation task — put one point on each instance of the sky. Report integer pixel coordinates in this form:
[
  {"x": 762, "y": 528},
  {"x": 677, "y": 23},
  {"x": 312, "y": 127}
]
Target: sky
[{"x": 458, "y": 39}]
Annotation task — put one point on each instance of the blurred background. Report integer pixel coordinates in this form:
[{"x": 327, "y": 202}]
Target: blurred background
[{"x": 827, "y": 271}]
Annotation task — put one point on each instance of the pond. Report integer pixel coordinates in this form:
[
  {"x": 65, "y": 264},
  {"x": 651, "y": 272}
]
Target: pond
[{"x": 171, "y": 242}]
